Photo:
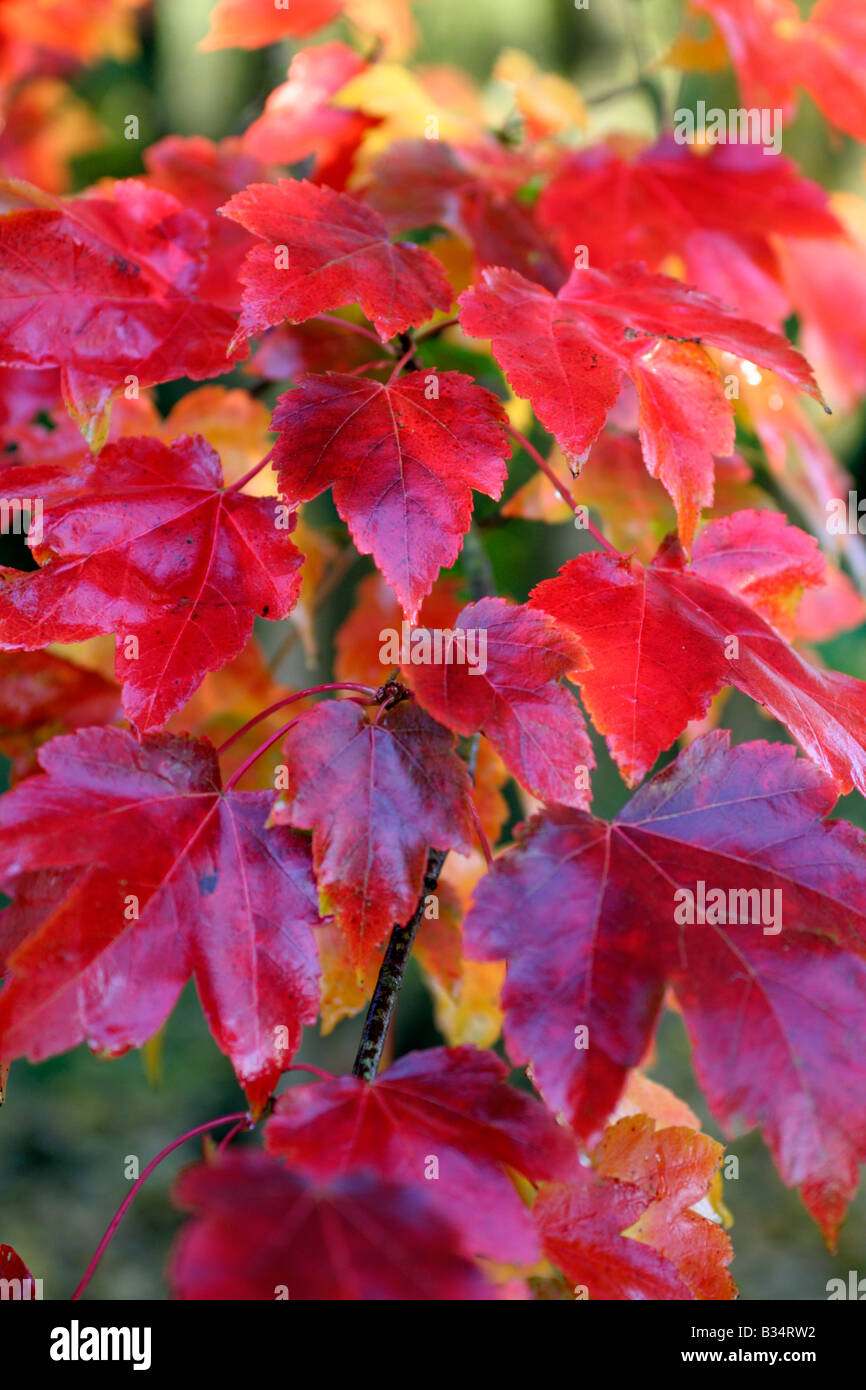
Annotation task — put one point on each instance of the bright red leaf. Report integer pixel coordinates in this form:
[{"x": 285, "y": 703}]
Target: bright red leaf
[
  {"x": 569, "y": 355},
  {"x": 377, "y": 796},
  {"x": 443, "y": 1121},
  {"x": 299, "y": 120},
  {"x": 202, "y": 175},
  {"x": 42, "y": 695},
  {"x": 502, "y": 677},
  {"x": 634, "y": 622},
  {"x": 719, "y": 211},
  {"x": 143, "y": 541},
  {"x": 172, "y": 877},
  {"x": 107, "y": 289},
  {"x": 320, "y": 250},
  {"x": 402, "y": 460}
]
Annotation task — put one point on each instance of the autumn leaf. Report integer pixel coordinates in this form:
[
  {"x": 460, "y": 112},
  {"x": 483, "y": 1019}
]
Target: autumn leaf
[
  {"x": 161, "y": 874},
  {"x": 402, "y": 460},
  {"x": 42, "y": 695},
  {"x": 12, "y": 1266},
  {"x": 501, "y": 676},
  {"x": 202, "y": 174},
  {"x": 569, "y": 355},
  {"x": 593, "y": 920},
  {"x": 627, "y": 1231},
  {"x": 320, "y": 250},
  {"x": 144, "y": 541},
  {"x": 301, "y": 122},
  {"x": 107, "y": 289},
  {"x": 676, "y": 1168},
  {"x": 377, "y": 796},
  {"x": 630, "y": 620},
  {"x": 716, "y": 212},
  {"x": 448, "y": 1105},
  {"x": 260, "y": 1232},
  {"x": 255, "y": 23}
]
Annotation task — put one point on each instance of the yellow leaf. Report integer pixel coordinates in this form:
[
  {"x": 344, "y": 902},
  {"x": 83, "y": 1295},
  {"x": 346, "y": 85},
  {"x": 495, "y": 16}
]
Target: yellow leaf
[{"x": 547, "y": 102}]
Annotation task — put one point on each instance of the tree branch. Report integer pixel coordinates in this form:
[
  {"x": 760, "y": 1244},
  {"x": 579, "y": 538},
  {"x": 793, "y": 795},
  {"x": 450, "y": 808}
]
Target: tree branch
[{"x": 391, "y": 973}]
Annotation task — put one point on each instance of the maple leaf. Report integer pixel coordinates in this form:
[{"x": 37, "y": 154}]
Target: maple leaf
[
  {"x": 760, "y": 558},
  {"x": 718, "y": 211},
  {"x": 299, "y": 120},
  {"x": 402, "y": 463},
  {"x": 826, "y": 279},
  {"x": 143, "y": 541},
  {"x": 376, "y": 796},
  {"x": 259, "y": 1230},
  {"x": 584, "y": 913},
  {"x": 321, "y": 250},
  {"x": 173, "y": 876},
  {"x": 569, "y": 355},
  {"x": 676, "y": 1168},
  {"x": 631, "y": 620},
  {"x": 774, "y": 51},
  {"x": 626, "y": 1231},
  {"x": 449, "y": 1103},
  {"x": 105, "y": 289},
  {"x": 513, "y": 696}
]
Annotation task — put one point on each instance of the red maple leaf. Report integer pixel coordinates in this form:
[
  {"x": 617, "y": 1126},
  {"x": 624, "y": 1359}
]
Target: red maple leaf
[
  {"x": 569, "y": 355},
  {"x": 774, "y": 1016},
  {"x": 675, "y": 1167},
  {"x": 627, "y": 1230},
  {"x": 402, "y": 460},
  {"x": 163, "y": 875},
  {"x": 300, "y": 122},
  {"x": 634, "y": 622},
  {"x": 443, "y": 1121},
  {"x": 513, "y": 696},
  {"x": 107, "y": 289},
  {"x": 144, "y": 541},
  {"x": 719, "y": 211},
  {"x": 260, "y": 1232},
  {"x": 376, "y": 795},
  {"x": 774, "y": 52},
  {"x": 322, "y": 249}
]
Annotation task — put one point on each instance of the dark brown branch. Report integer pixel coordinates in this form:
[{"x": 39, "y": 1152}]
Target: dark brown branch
[{"x": 391, "y": 973}]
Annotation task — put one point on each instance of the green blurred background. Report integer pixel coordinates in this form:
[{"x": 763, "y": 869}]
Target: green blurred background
[{"x": 70, "y": 1124}]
